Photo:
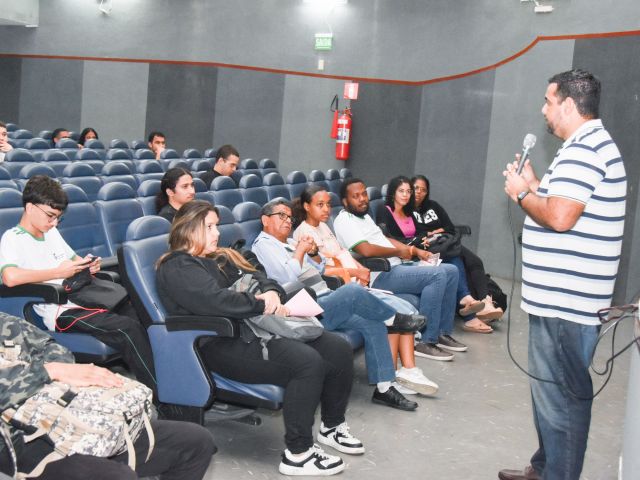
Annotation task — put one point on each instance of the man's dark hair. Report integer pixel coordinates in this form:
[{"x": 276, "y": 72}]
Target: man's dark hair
[
  {"x": 3, "y": 125},
  {"x": 583, "y": 87},
  {"x": 43, "y": 190},
  {"x": 155, "y": 134},
  {"x": 269, "y": 207},
  {"x": 345, "y": 184},
  {"x": 224, "y": 152},
  {"x": 57, "y": 132}
]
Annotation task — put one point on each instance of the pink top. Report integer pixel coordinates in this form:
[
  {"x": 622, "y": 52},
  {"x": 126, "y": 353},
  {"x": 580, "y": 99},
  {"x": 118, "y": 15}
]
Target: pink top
[{"x": 406, "y": 224}]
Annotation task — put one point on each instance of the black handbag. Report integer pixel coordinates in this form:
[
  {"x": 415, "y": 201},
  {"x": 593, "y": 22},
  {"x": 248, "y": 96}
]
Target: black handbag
[
  {"x": 89, "y": 292},
  {"x": 447, "y": 245}
]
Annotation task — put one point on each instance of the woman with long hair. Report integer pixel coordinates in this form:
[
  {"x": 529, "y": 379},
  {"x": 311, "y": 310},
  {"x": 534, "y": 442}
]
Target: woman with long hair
[
  {"x": 311, "y": 212},
  {"x": 397, "y": 217},
  {"x": 432, "y": 218},
  {"x": 194, "y": 279},
  {"x": 87, "y": 134},
  {"x": 176, "y": 189}
]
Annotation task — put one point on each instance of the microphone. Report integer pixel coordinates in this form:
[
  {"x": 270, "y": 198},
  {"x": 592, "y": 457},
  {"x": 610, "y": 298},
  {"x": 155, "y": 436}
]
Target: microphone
[{"x": 527, "y": 144}]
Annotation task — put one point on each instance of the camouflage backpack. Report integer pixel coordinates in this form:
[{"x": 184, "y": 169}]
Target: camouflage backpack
[{"x": 96, "y": 421}]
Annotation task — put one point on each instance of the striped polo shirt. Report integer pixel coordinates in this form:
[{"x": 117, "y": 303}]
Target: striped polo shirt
[{"x": 571, "y": 275}]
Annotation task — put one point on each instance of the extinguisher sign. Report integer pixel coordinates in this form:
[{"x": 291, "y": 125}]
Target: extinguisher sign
[
  {"x": 351, "y": 91},
  {"x": 343, "y": 134}
]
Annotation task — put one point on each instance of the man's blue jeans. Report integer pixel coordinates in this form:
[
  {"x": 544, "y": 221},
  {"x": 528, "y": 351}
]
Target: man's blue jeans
[
  {"x": 436, "y": 287},
  {"x": 561, "y": 351},
  {"x": 351, "y": 307}
]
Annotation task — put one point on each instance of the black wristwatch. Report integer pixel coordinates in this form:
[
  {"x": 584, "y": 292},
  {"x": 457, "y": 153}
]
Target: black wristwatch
[{"x": 521, "y": 196}]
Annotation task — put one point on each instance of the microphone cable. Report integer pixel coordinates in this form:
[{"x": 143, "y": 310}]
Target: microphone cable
[{"x": 608, "y": 370}]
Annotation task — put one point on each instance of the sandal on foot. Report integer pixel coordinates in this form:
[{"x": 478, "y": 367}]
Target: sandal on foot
[
  {"x": 471, "y": 307},
  {"x": 479, "y": 327}
]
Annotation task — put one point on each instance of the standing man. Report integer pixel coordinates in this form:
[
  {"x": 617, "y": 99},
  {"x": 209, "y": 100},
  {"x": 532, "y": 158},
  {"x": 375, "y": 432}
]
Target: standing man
[
  {"x": 227, "y": 159},
  {"x": 157, "y": 143},
  {"x": 5, "y": 146},
  {"x": 571, "y": 244}
]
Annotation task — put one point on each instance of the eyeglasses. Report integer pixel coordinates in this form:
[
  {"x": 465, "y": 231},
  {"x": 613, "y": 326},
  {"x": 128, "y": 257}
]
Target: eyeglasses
[
  {"x": 402, "y": 191},
  {"x": 281, "y": 215},
  {"x": 52, "y": 217}
]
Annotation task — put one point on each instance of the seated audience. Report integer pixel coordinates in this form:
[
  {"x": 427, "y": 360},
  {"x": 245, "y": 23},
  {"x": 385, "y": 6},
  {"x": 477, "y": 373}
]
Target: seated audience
[
  {"x": 176, "y": 189},
  {"x": 350, "y": 307},
  {"x": 182, "y": 450},
  {"x": 311, "y": 211},
  {"x": 397, "y": 217},
  {"x": 34, "y": 251},
  {"x": 194, "y": 278},
  {"x": 227, "y": 159},
  {"x": 87, "y": 134},
  {"x": 5, "y": 146},
  {"x": 157, "y": 143},
  {"x": 434, "y": 285},
  {"x": 58, "y": 134},
  {"x": 432, "y": 218}
]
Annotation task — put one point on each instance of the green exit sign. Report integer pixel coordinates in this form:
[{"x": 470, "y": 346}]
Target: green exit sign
[{"x": 324, "y": 41}]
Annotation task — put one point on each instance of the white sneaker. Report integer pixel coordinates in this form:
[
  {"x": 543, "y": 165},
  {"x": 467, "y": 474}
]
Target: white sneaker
[
  {"x": 414, "y": 379},
  {"x": 315, "y": 463},
  {"x": 341, "y": 439},
  {"x": 403, "y": 390}
]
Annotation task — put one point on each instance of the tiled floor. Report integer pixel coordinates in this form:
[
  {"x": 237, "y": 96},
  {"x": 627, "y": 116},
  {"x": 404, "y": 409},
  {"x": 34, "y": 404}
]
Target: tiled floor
[{"x": 479, "y": 422}]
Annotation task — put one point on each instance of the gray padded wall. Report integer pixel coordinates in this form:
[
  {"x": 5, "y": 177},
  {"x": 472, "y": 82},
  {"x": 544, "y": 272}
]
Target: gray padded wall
[
  {"x": 181, "y": 103},
  {"x": 385, "y": 132},
  {"x": 518, "y": 97},
  {"x": 50, "y": 94},
  {"x": 10, "y": 80},
  {"x": 306, "y": 124},
  {"x": 114, "y": 99},
  {"x": 613, "y": 60},
  {"x": 454, "y": 131},
  {"x": 248, "y": 112}
]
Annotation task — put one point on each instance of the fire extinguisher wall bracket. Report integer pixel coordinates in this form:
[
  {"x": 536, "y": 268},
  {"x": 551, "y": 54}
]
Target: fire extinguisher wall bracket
[
  {"x": 336, "y": 112},
  {"x": 343, "y": 139}
]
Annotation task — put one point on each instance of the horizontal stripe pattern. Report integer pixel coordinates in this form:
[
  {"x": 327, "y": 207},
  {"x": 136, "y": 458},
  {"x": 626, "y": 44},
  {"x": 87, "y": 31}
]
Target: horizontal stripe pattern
[{"x": 571, "y": 274}]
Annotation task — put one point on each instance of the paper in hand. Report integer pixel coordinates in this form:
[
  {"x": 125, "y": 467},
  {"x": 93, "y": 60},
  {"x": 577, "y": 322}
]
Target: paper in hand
[{"x": 303, "y": 305}]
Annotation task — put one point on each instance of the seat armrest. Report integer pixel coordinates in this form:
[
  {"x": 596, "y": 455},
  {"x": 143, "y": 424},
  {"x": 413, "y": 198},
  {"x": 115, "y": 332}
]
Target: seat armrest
[
  {"x": 107, "y": 275},
  {"x": 222, "y": 326},
  {"x": 463, "y": 229},
  {"x": 49, "y": 292},
  {"x": 292, "y": 288},
  {"x": 375, "y": 264},
  {"x": 333, "y": 282}
]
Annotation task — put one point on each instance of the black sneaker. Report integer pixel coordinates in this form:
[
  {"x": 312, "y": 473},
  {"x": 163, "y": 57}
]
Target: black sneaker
[
  {"x": 432, "y": 351},
  {"x": 394, "y": 399},
  {"x": 341, "y": 439},
  {"x": 407, "y": 323},
  {"x": 316, "y": 463},
  {"x": 447, "y": 342}
]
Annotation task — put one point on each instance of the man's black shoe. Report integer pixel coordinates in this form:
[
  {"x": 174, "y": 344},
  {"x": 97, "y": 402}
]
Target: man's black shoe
[
  {"x": 394, "y": 399},
  {"x": 406, "y": 323}
]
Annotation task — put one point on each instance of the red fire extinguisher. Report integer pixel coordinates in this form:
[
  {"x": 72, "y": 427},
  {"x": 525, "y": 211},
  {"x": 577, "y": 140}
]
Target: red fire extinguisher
[{"x": 344, "y": 135}]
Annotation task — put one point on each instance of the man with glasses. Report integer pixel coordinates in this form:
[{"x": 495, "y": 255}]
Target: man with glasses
[
  {"x": 34, "y": 251},
  {"x": 350, "y": 307},
  {"x": 5, "y": 146}
]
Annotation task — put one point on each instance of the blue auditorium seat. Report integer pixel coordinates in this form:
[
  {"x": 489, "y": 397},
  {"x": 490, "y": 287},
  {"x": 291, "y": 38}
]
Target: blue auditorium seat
[
  {"x": 375, "y": 201},
  {"x": 46, "y": 134},
  {"x": 83, "y": 176},
  {"x": 176, "y": 163},
  {"x": 117, "y": 208},
  {"x": 11, "y": 127},
  {"x": 248, "y": 216},
  {"x": 15, "y": 159},
  {"x": 383, "y": 190},
  {"x": 211, "y": 153},
  {"x": 143, "y": 154},
  {"x": 345, "y": 173},
  {"x": 184, "y": 386},
  {"x": 191, "y": 153},
  {"x": 118, "y": 143},
  {"x": 201, "y": 165},
  {"x": 296, "y": 183},
  {"x": 90, "y": 157},
  {"x": 317, "y": 178},
  {"x": 147, "y": 192},
  {"x": 98, "y": 146},
  {"x": 118, "y": 172},
  {"x": 32, "y": 170},
  {"x": 69, "y": 147},
  {"x": 275, "y": 187},
  {"x": 202, "y": 192},
  {"x": 230, "y": 231},
  {"x": 168, "y": 153},
  {"x": 75, "y": 136},
  {"x": 249, "y": 167},
  {"x": 252, "y": 190},
  {"x": 237, "y": 175},
  {"x": 138, "y": 144},
  {"x": 6, "y": 181},
  {"x": 20, "y": 136},
  {"x": 267, "y": 166},
  {"x": 37, "y": 146},
  {"x": 122, "y": 156},
  {"x": 148, "y": 170},
  {"x": 225, "y": 192},
  {"x": 334, "y": 180},
  {"x": 336, "y": 206},
  {"x": 55, "y": 159},
  {"x": 10, "y": 208}
]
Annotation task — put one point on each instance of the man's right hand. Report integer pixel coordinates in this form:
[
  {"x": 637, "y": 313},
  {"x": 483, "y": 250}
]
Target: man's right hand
[
  {"x": 82, "y": 375},
  {"x": 69, "y": 268}
]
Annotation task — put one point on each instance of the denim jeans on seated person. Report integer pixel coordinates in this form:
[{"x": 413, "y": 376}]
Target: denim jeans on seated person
[
  {"x": 561, "y": 351},
  {"x": 352, "y": 307},
  {"x": 436, "y": 287}
]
